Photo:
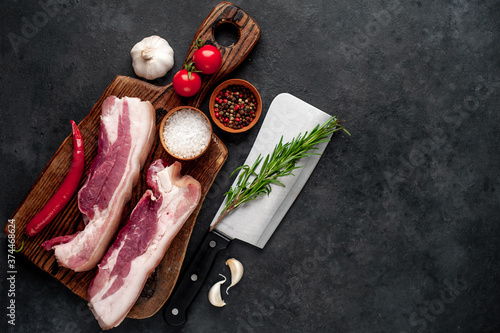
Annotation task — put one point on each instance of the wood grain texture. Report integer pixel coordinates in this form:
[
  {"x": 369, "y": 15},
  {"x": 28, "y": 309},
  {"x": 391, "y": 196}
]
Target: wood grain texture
[{"x": 204, "y": 169}]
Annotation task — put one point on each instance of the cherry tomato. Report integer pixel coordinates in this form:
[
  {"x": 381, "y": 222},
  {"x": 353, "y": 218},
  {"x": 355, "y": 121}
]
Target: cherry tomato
[
  {"x": 184, "y": 85},
  {"x": 207, "y": 59}
]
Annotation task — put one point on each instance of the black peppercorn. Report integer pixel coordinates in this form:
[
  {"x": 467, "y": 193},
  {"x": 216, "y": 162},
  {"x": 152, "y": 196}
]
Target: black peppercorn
[{"x": 235, "y": 106}]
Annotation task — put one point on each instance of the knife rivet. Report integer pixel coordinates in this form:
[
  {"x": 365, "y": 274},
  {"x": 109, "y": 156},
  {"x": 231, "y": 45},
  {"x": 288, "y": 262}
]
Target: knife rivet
[
  {"x": 194, "y": 277},
  {"x": 175, "y": 311},
  {"x": 212, "y": 243}
]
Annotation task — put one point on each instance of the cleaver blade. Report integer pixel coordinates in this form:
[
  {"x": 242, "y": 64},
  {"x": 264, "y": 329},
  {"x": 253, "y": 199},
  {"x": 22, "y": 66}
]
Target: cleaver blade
[{"x": 256, "y": 221}]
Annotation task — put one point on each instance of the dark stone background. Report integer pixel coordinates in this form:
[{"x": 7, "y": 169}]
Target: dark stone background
[{"x": 397, "y": 229}]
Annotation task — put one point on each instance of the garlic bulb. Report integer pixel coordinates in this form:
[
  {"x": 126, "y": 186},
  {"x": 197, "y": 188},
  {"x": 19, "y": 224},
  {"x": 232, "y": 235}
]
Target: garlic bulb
[
  {"x": 152, "y": 57},
  {"x": 214, "y": 295},
  {"x": 236, "y": 272}
]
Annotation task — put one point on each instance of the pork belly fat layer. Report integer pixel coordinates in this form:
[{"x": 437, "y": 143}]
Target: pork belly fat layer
[
  {"x": 126, "y": 136},
  {"x": 142, "y": 243}
]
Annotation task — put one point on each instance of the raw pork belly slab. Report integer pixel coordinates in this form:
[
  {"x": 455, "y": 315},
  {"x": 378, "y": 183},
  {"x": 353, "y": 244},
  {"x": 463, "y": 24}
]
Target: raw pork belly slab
[
  {"x": 142, "y": 243},
  {"x": 126, "y": 136}
]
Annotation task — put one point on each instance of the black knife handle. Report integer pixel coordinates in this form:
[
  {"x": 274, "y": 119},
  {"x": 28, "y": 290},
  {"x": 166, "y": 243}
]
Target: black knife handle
[{"x": 190, "y": 284}]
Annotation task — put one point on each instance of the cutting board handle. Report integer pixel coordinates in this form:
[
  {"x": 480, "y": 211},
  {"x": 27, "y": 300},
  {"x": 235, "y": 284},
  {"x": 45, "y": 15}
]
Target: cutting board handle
[{"x": 232, "y": 55}]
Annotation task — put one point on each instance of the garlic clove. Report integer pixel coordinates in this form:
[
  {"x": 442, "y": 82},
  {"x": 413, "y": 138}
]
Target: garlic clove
[
  {"x": 214, "y": 295},
  {"x": 236, "y": 272},
  {"x": 152, "y": 57}
]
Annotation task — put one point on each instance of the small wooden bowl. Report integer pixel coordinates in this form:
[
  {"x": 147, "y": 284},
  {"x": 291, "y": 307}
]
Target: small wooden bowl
[
  {"x": 162, "y": 128},
  {"x": 226, "y": 84}
]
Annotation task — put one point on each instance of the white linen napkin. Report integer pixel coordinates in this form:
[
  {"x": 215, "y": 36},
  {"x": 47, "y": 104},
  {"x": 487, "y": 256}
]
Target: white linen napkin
[{"x": 254, "y": 222}]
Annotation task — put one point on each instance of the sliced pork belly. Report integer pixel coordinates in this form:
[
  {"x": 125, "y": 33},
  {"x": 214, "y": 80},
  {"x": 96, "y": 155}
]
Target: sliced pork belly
[
  {"x": 126, "y": 136},
  {"x": 142, "y": 243}
]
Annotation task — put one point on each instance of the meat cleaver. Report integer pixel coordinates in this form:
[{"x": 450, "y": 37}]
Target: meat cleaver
[{"x": 255, "y": 221}]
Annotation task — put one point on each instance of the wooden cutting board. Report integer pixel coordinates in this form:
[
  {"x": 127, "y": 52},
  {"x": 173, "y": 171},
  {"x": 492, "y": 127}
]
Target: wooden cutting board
[{"x": 204, "y": 169}]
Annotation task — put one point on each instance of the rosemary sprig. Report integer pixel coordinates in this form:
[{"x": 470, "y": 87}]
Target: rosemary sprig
[{"x": 281, "y": 162}]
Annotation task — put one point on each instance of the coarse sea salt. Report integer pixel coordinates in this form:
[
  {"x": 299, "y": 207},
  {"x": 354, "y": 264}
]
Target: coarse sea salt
[{"x": 186, "y": 133}]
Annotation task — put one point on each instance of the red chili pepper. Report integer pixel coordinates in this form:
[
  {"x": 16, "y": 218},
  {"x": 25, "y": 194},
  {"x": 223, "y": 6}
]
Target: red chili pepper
[{"x": 66, "y": 190}]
